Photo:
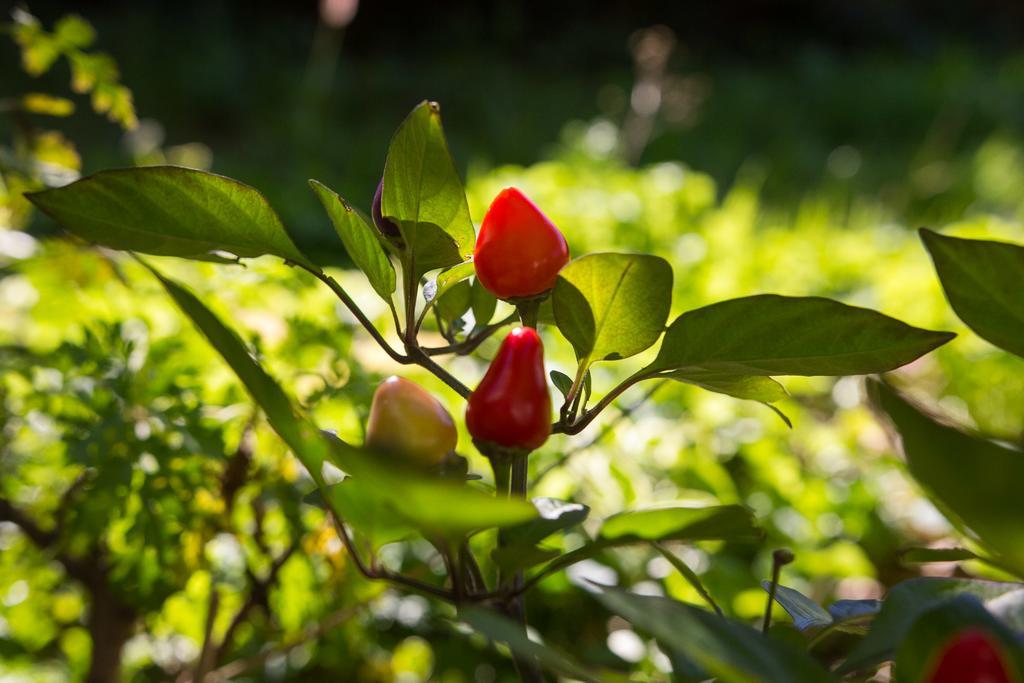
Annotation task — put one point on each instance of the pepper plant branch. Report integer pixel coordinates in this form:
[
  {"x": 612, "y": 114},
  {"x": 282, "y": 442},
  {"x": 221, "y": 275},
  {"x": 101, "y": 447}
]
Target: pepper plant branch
[
  {"x": 470, "y": 343},
  {"x": 353, "y": 308},
  {"x": 374, "y": 573},
  {"x": 606, "y": 428},
  {"x": 415, "y": 355},
  {"x": 577, "y": 426},
  {"x": 233, "y": 670}
]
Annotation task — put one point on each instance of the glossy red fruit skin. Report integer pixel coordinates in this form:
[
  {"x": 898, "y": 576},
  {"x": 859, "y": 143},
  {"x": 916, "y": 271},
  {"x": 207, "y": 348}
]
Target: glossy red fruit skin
[
  {"x": 519, "y": 251},
  {"x": 972, "y": 656},
  {"x": 512, "y": 407}
]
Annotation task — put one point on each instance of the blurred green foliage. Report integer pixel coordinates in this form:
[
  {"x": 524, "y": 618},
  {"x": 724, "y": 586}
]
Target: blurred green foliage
[{"x": 799, "y": 180}]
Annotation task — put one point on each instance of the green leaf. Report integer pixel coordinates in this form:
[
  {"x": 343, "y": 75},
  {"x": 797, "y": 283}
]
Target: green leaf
[
  {"x": 169, "y": 211},
  {"x": 730, "y": 651},
  {"x": 769, "y": 335},
  {"x": 482, "y": 303},
  {"x": 689, "y": 575},
  {"x": 360, "y": 240},
  {"x": 430, "y": 505},
  {"x": 552, "y": 516},
  {"x": 497, "y": 628},
  {"x": 454, "y": 302},
  {"x": 453, "y": 276},
  {"x": 904, "y": 604},
  {"x": 519, "y": 551},
  {"x": 849, "y": 616},
  {"x": 41, "y": 103},
  {"x": 712, "y": 523},
  {"x": 612, "y": 306},
  {"x": 562, "y": 382},
  {"x": 424, "y": 196},
  {"x": 719, "y": 522},
  {"x": 931, "y": 632},
  {"x": 370, "y": 514},
  {"x": 806, "y": 613},
  {"x": 938, "y": 457},
  {"x": 761, "y": 389},
  {"x": 74, "y": 31},
  {"x": 926, "y": 555},
  {"x": 982, "y": 280},
  {"x": 853, "y": 616}
]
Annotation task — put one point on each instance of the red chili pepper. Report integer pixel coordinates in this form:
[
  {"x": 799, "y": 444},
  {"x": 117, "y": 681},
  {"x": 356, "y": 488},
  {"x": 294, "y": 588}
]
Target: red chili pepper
[
  {"x": 519, "y": 251},
  {"x": 972, "y": 656},
  {"x": 512, "y": 406},
  {"x": 405, "y": 420}
]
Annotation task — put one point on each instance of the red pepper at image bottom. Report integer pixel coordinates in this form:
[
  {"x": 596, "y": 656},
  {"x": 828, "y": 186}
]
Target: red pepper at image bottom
[{"x": 972, "y": 656}]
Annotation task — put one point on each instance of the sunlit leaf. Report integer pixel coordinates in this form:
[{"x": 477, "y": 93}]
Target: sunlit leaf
[
  {"x": 360, "y": 240},
  {"x": 169, "y": 211},
  {"x": 41, "y": 103},
  {"x": 424, "y": 196},
  {"x": 984, "y": 282},
  {"x": 768, "y": 335},
  {"x": 612, "y": 306},
  {"x": 722, "y": 522},
  {"x": 74, "y": 31}
]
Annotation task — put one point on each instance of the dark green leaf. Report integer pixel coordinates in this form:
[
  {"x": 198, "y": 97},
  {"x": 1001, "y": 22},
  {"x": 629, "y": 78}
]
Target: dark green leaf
[
  {"x": 497, "y": 628},
  {"x": 721, "y": 522},
  {"x": 932, "y": 631},
  {"x": 713, "y": 523},
  {"x": 690, "y": 576},
  {"x": 853, "y": 616},
  {"x": 769, "y": 335},
  {"x": 730, "y": 651},
  {"x": 806, "y": 613},
  {"x": 989, "y": 505},
  {"x": 368, "y": 513},
  {"x": 612, "y": 306},
  {"x": 482, "y": 302},
  {"x": 424, "y": 196},
  {"x": 454, "y": 302},
  {"x": 904, "y": 604},
  {"x": 519, "y": 558},
  {"x": 360, "y": 240},
  {"x": 552, "y": 516},
  {"x": 169, "y": 211},
  {"x": 925, "y": 555},
  {"x": 561, "y": 381},
  {"x": 984, "y": 282}
]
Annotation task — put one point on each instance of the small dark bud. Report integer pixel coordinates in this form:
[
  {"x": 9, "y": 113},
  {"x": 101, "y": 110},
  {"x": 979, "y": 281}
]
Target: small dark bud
[
  {"x": 782, "y": 557},
  {"x": 386, "y": 227}
]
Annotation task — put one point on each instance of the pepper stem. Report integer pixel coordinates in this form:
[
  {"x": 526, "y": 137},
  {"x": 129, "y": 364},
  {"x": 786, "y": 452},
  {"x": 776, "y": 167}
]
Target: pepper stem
[{"x": 528, "y": 311}]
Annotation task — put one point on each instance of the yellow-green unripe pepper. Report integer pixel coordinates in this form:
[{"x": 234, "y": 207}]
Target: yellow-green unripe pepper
[{"x": 405, "y": 420}]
